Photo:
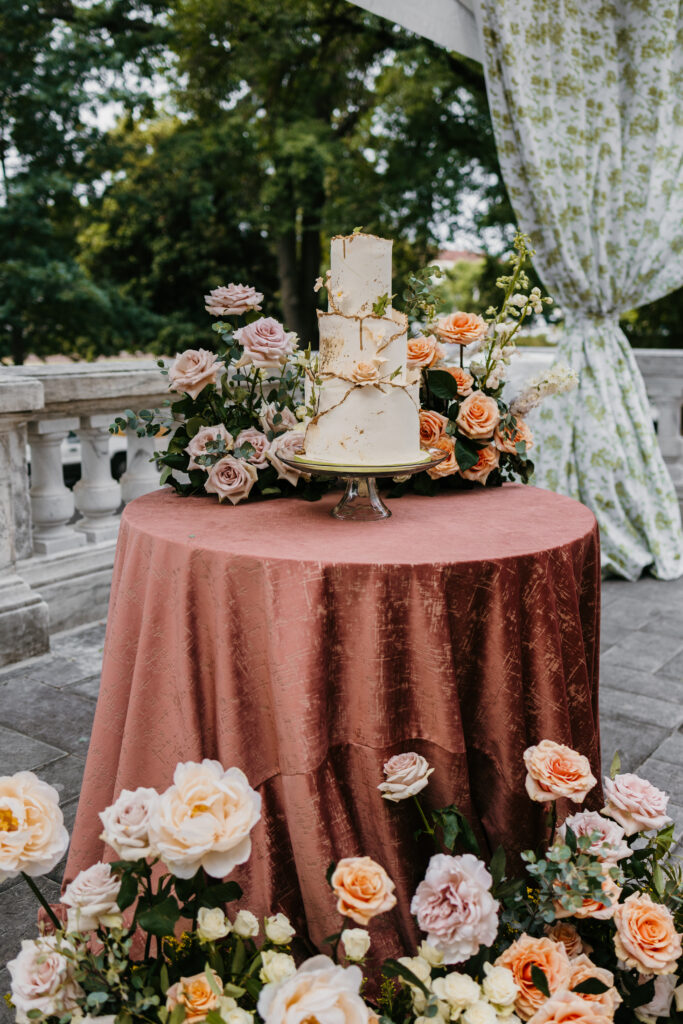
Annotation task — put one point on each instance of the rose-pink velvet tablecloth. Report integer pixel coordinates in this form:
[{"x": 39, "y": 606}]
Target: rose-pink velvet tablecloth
[{"x": 307, "y": 651}]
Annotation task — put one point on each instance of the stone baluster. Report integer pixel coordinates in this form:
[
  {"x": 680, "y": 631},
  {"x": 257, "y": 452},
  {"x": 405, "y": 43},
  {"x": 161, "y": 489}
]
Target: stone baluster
[
  {"x": 52, "y": 503},
  {"x": 141, "y": 476},
  {"x": 97, "y": 494}
]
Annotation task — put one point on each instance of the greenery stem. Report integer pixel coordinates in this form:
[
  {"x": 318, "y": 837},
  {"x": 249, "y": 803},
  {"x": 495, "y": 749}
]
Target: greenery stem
[
  {"x": 428, "y": 828},
  {"x": 41, "y": 899}
]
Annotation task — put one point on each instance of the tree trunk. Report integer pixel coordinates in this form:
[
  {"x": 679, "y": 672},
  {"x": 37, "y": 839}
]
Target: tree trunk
[
  {"x": 309, "y": 270},
  {"x": 287, "y": 273},
  {"x": 17, "y": 349}
]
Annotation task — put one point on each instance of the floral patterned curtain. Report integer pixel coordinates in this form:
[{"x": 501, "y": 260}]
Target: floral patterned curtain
[{"x": 586, "y": 98}]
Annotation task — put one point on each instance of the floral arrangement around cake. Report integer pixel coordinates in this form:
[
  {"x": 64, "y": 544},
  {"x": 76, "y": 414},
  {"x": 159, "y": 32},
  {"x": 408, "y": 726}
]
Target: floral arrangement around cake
[
  {"x": 245, "y": 408},
  {"x": 592, "y": 934}
]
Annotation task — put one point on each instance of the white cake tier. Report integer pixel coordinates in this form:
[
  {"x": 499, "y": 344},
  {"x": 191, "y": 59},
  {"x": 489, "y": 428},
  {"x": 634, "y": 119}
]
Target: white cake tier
[
  {"x": 368, "y": 427},
  {"x": 347, "y": 341},
  {"x": 360, "y": 272}
]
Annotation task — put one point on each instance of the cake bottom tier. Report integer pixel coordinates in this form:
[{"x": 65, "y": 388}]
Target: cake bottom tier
[{"x": 365, "y": 426}]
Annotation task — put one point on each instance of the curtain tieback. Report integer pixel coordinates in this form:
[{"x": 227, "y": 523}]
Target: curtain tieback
[{"x": 576, "y": 317}]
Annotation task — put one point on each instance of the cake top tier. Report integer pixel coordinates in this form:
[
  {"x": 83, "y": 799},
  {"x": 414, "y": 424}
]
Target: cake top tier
[{"x": 360, "y": 272}]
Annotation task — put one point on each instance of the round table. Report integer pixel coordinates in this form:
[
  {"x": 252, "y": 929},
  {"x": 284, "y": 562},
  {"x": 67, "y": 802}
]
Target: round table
[{"x": 307, "y": 651}]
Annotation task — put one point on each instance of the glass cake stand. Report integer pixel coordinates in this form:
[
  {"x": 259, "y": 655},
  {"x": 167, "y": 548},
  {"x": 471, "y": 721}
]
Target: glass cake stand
[{"x": 361, "y": 500}]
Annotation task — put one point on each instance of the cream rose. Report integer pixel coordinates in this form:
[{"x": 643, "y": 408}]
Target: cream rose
[
  {"x": 231, "y": 479},
  {"x": 462, "y": 378},
  {"x": 433, "y": 956},
  {"x": 286, "y": 419},
  {"x": 488, "y": 460},
  {"x": 205, "y": 819},
  {"x": 478, "y": 416},
  {"x": 321, "y": 991},
  {"x": 276, "y": 966},
  {"x": 42, "y": 979},
  {"x": 279, "y": 930},
  {"x": 660, "y": 1004},
  {"x": 91, "y": 899},
  {"x": 203, "y": 437},
  {"x": 259, "y": 443},
  {"x": 458, "y": 990},
  {"x": 363, "y": 889},
  {"x": 432, "y": 427},
  {"x": 236, "y": 1015},
  {"x": 196, "y": 995},
  {"x": 406, "y": 774},
  {"x": 233, "y": 300},
  {"x": 355, "y": 942},
  {"x": 569, "y": 1008},
  {"x": 506, "y": 440},
  {"x": 417, "y": 966},
  {"x": 555, "y": 771},
  {"x": 245, "y": 924},
  {"x": 635, "y": 804},
  {"x": 424, "y": 351},
  {"x": 480, "y": 1012},
  {"x": 551, "y": 957},
  {"x": 566, "y": 933},
  {"x": 366, "y": 372},
  {"x": 461, "y": 328},
  {"x": 32, "y": 834},
  {"x": 449, "y": 465},
  {"x": 266, "y": 344},
  {"x": 287, "y": 445},
  {"x": 581, "y": 970},
  {"x": 646, "y": 937},
  {"x": 212, "y": 924},
  {"x": 499, "y": 987},
  {"x": 126, "y": 823},
  {"x": 610, "y": 845},
  {"x": 193, "y": 370}
]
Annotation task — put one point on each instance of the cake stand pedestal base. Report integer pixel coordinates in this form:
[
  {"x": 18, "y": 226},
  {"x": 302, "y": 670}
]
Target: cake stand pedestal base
[{"x": 361, "y": 501}]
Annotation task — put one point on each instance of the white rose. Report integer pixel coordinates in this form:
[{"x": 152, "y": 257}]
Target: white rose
[
  {"x": 430, "y": 954},
  {"x": 212, "y": 924},
  {"x": 245, "y": 925},
  {"x": 276, "y": 966},
  {"x": 320, "y": 990},
  {"x": 32, "y": 834},
  {"x": 238, "y": 1016},
  {"x": 499, "y": 986},
  {"x": 356, "y": 942},
  {"x": 204, "y": 820},
  {"x": 419, "y": 967},
  {"x": 279, "y": 930},
  {"x": 42, "y": 979},
  {"x": 406, "y": 774},
  {"x": 458, "y": 990},
  {"x": 91, "y": 899},
  {"x": 127, "y": 821},
  {"x": 480, "y": 1012}
]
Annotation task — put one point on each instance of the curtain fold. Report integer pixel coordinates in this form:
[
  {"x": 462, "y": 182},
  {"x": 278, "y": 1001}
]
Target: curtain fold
[{"x": 586, "y": 102}]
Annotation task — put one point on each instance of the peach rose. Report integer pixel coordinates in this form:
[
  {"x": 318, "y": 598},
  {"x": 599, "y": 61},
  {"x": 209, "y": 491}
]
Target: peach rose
[
  {"x": 583, "y": 969},
  {"x": 551, "y": 957},
  {"x": 555, "y": 771},
  {"x": 478, "y": 416},
  {"x": 566, "y": 933},
  {"x": 461, "y": 328},
  {"x": 432, "y": 427},
  {"x": 646, "y": 938},
  {"x": 635, "y": 803},
  {"x": 449, "y": 465},
  {"x": 424, "y": 351},
  {"x": 462, "y": 378},
  {"x": 266, "y": 344},
  {"x": 259, "y": 443},
  {"x": 232, "y": 479},
  {"x": 232, "y": 300},
  {"x": 33, "y": 838},
  {"x": 365, "y": 373},
  {"x": 289, "y": 445},
  {"x": 193, "y": 370},
  {"x": 569, "y": 1008},
  {"x": 203, "y": 437},
  {"x": 506, "y": 440},
  {"x": 320, "y": 991},
  {"x": 363, "y": 889},
  {"x": 196, "y": 995},
  {"x": 489, "y": 459},
  {"x": 594, "y": 908}
]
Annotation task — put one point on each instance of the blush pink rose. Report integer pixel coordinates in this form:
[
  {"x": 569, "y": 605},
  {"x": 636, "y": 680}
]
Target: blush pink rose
[
  {"x": 265, "y": 343},
  {"x": 231, "y": 479},
  {"x": 478, "y": 416},
  {"x": 489, "y": 459},
  {"x": 204, "y": 436},
  {"x": 233, "y": 300},
  {"x": 610, "y": 845},
  {"x": 193, "y": 370},
  {"x": 259, "y": 443},
  {"x": 461, "y": 328},
  {"x": 406, "y": 775},
  {"x": 646, "y": 937},
  {"x": 555, "y": 771},
  {"x": 91, "y": 899},
  {"x": 660, "y": 1004},
  {"x": 288, "y": 445},
  {"x": 454, "y": 905},
  {"x": 635, "y": 803},
  {"x": 43, "y": 979},
  {"x": 287, "y": 420}
]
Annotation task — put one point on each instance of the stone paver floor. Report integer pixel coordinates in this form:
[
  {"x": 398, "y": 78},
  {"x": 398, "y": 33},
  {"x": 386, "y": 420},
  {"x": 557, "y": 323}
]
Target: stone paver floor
[{"x": 47, "y": 706}]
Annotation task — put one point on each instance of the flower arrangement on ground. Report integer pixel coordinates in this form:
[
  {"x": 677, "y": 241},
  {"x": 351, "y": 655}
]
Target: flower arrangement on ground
[{"x": 592, "y": 934}]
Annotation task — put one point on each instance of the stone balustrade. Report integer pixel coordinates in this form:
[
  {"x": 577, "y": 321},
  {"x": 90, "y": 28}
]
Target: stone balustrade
[{"x": 57, "y": 544}]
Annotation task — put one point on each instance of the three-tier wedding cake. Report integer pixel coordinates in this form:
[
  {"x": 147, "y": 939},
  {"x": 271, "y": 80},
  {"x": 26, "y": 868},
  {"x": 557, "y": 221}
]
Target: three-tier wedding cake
[{"x": 366, "y": 402}]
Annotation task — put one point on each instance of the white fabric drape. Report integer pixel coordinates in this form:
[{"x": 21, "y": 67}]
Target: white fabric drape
[{"x": 586, "y": 98}]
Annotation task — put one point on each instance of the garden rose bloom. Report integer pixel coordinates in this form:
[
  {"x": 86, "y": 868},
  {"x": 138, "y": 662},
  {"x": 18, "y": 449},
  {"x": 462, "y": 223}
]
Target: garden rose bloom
[
  {"x": 646, "y": 938},
  {"x": 196, "y": 995},
  {"x": 499, "y": 986},
  {"x": 489, "y": 459},
  {"x": 581, "y": 970},
  {"x": 365, "y": 373},
  {"x": 321, "y": 991},
  {"x": 289, "y": 444},
  {"x": 232, "y": 300},
  {"x": 555, "y": 771},
  {"x": 461, "y": 328},
  {"x": 635, "y": 803},
  {"x": 610, "y": 847},
  {"x": 204, "y": 436},
  {"x": 204, "y": 819},
  {"x": 566, "y": 933},
  {"x": 569, "y": 1008},
  {"x": 455, "y": 907},
  {"x": 458, "y": 990},
  {"x": 552, "y": 959},
  {"x": 406, "y": 775},
  {"x": 212, "y": 924},
  {"x": 260, "y": 444},
  {"x": 232, "y": 479},
  {"x": 506, "y": 440},
  {"x": 265, "y": 342},
  {"x": 424, "y": 351},
  {"x": 276, "y": 966},
  {"x": 91, "y": 899},
  {"x": 32, "y": 834},
  {"x": 363, "y": 889},
  {"x": 449, "y": 466},
  {"x": 478, "y": 416},
  {"x": 287, "y": 420},
  {"x": 480, "y": 1012},
  {"x": 462, "y": 378},
  {"x": 126, "y": 823},
  {"x": 193, "y": 370},
  {"x": 42, "y": 979},
  {"x": 432, "y": 427},
  {"x": 278, "y": 929},
  {"x": 245, "y": 924},
  {"x": 356, "y": 943},
  {"x": 660, "y": 1004}
]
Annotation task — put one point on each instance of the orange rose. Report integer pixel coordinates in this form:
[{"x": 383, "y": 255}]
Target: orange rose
[
  {"x": 506, "y": 440},
  {"x": 461, "y": 328},
  {"x": 567, "y": 934},
  {"x": 449, "y": 466},
  {"x": 424, "y": 351},
  {"x": 488, "y": 460},
  {"x": 527, "y": 952},
  {"x": 478, "y": 416},
  {"x": 462, "y": 378},
  {"x": 594, "y": 908},
  {"x": 555, "y": 771},
  {"x": 646, "y": 938},
  {"x": 570, "y": 1008},
  {"x": 195, "y": 994},
  {"x": 582, "y": 970},
  {"x": 432, "y": 427},
  {"x": 363, "y": 889}
]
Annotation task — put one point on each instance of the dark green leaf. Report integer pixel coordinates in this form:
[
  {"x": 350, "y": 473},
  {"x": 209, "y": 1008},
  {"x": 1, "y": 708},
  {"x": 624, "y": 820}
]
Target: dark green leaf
[
  {"x": 161, "y": 919},
  {"x": 540, "y": 981},
  {"x": 328, "y": 874},
  {"x": 217, "y": 895},
  {"x": 393, "y": 969},
  {"x": 466, "y": 454},
  {"x": 128, "y": 891},
  {"x": 591, "y": 987},
  {"x": 497, "y": 866},
  {"x": 442, "y": 384}
]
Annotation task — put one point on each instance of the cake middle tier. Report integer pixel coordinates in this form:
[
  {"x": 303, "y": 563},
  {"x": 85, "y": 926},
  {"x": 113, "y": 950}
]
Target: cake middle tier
[{"x": 346, "y": 341}]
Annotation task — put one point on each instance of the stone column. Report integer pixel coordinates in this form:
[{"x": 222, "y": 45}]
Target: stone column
[
  {"x": 97, "y": 494},
  {"x": 52, "y": 503}
]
